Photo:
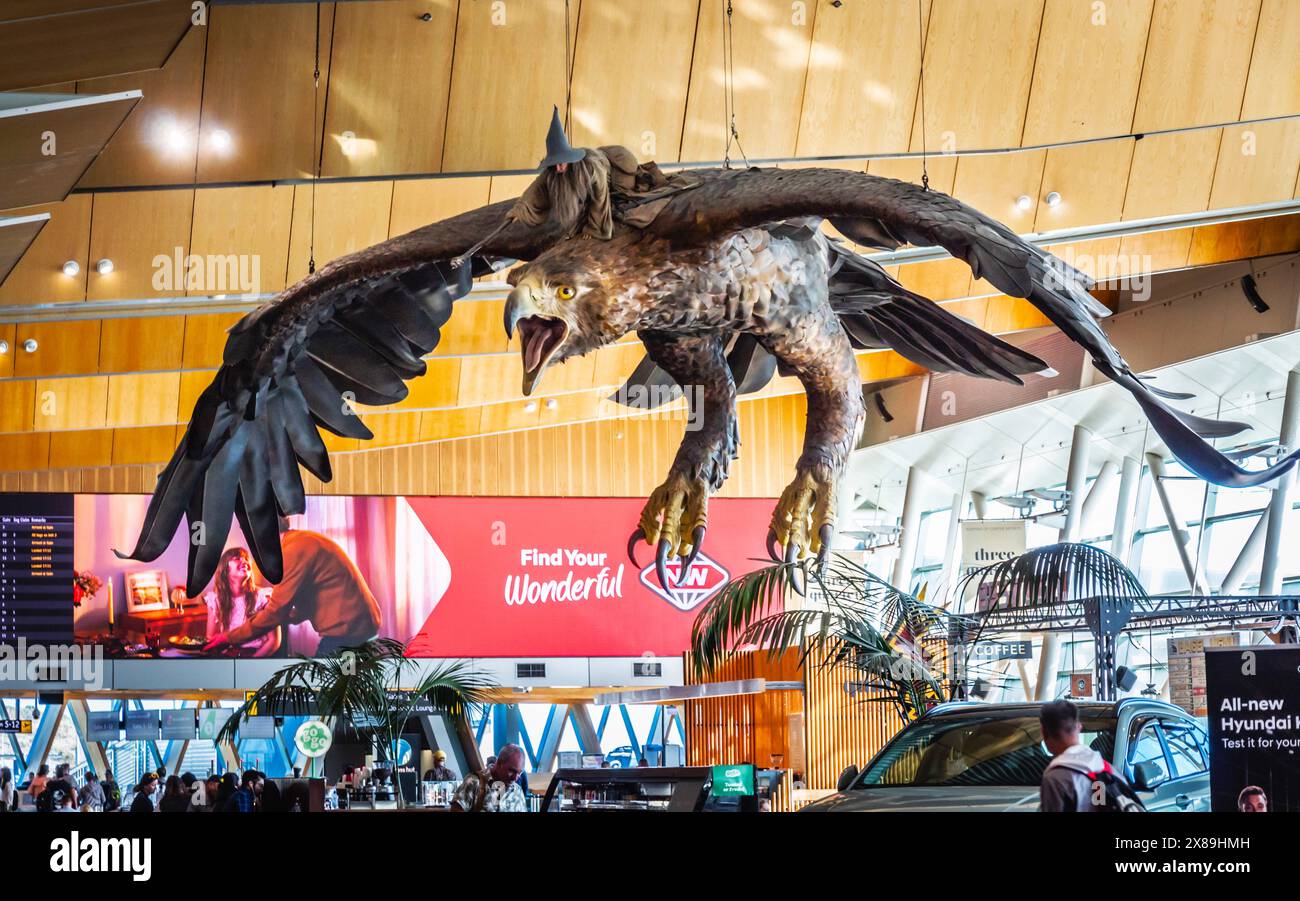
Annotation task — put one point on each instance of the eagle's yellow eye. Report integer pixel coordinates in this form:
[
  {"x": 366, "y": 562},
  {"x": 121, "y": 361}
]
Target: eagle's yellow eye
[{"x": 566, "y": 292}]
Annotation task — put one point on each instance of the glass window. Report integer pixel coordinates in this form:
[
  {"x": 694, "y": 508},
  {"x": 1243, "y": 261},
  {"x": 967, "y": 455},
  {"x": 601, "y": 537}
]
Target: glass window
[
  {"x": 975, "y": 748},
  {"x": 1185, "y": 750},
  {"x": 1147, "y": 748}
]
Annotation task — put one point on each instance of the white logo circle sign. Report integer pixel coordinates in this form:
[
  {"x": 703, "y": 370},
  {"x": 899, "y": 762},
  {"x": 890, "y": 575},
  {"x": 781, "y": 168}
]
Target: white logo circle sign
[{"x": 313, "y": 738}]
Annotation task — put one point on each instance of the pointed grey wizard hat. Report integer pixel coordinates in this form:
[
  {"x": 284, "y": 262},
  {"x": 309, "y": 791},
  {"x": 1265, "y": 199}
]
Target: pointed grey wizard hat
[{"x": 557, "y": 145}]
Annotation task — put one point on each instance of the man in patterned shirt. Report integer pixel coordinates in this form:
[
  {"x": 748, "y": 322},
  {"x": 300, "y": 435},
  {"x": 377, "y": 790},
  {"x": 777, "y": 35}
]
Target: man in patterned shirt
[{"x": 494, "y": 790}]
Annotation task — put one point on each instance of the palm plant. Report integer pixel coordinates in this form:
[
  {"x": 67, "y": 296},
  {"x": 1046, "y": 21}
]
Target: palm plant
[
  {"x": 373, "y": 690},
  {"x": 858, "y": 620}
]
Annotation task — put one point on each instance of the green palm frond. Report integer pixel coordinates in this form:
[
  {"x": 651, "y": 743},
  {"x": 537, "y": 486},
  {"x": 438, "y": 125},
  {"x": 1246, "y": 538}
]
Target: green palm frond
[
  {"x": 860, "y": 620},
  {"x": 372, "y": 687}
]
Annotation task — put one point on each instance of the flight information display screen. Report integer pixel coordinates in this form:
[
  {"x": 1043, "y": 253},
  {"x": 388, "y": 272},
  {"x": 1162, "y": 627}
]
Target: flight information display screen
[{"x": 36, "y": 568}]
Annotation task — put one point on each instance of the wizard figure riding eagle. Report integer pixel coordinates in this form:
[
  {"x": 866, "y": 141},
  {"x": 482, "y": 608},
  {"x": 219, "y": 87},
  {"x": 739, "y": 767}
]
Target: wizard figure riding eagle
[{"x": 724, "y": 274}]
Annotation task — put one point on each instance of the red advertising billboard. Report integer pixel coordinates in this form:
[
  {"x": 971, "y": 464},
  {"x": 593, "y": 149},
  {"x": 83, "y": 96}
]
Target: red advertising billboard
[
  {"x": 551, "y": 577},
  {"x": 451, "y": 577}
]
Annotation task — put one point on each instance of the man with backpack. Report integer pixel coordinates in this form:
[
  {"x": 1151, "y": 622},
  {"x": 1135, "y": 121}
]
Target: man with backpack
[{"x": 1078, "y": 779}]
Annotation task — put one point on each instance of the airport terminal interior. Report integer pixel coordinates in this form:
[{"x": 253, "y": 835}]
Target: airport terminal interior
[{"x": 699, "y": 405}]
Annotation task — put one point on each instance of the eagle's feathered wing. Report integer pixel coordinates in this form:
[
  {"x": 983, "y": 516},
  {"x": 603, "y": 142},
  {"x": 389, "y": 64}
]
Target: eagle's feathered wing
[
  {"x": 894, "y": 212},
  {"x": 355, "y": 331}
]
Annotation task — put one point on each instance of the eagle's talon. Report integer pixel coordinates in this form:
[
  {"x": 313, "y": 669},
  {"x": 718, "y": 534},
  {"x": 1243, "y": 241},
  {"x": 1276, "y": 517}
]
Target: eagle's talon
[
  {"x": 773, "y": 546},
  {"x": 697, "y": 539},
  {"x": 637, "y": 536},
  {"x": 803, "y": 522},
  {"x": 661, "y": 564}
]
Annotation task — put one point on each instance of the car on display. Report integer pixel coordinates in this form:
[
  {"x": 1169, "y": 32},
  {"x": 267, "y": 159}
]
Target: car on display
[{"x": 991, "y": 757}]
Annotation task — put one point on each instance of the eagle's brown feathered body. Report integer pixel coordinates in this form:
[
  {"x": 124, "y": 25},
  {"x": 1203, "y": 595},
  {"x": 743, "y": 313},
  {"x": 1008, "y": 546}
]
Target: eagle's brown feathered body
[{"x": 728, "y": 278}]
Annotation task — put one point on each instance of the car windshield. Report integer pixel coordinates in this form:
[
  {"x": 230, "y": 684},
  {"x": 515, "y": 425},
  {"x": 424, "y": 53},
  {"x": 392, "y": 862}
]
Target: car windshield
[{"x": 977, "y": 748}]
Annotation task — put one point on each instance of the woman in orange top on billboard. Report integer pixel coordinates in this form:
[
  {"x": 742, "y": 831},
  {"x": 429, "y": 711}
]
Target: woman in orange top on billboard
[{"x": 234, "y": 599}]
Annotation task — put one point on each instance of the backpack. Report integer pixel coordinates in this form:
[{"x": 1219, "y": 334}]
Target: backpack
[
  {"x": 1117, "y": 794},
  {"x": 45, "y": 801},
  {"x": 112, "y": 796}
]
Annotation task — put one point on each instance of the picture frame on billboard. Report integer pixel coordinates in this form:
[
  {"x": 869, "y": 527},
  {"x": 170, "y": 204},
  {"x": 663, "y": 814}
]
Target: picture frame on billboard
[{"x": 147, "y": 590}]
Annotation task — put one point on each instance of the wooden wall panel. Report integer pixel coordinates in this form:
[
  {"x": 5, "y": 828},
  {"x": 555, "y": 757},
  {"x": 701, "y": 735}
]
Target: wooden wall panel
[
  {"x": 1256, "y": 163},
  {"x": 132, "y": 229},
  {"x": 968, "y": 103},
  {"x": 158, "y": 142},
  {"x": 251, "y": 224},
  {"x": 1086, "y": 85},
  {"x": 390, "y": 74},
  {"x": 71, "y": 403},
  {"x": 350, "y": 216},
  {"x": 81, "y": 449},
  {"x": 1171, "y": 174},
  {"x": 38, "y": 276},
  {"x": 62, "y": 348},
  {"x": 146, "y": 445},
  {"x": 630, "y": 81},
  {"x": 145, "y": 399},
  {"x": 141, "y": 344},
  {"x": 751, "y": 728},
  {"x": 17, "y": 405},
  {"x": 500, "y": 123},
  {"x": 771, "y": 40},
  {"x": 8, "y": 333},
  {"x": 841, "y": 729},
  {"x": 860, "y": 92},
  {"x": 418, "y": 202},
  {"x": 1197, "y": 59},
  {"x": 1092, "y": 180},
  {"x": 205, "y": 339},
  {"x": 1273, "y": 85},
  {"x": 258, "y": 89},
  {"x": 992, "y": 184}
]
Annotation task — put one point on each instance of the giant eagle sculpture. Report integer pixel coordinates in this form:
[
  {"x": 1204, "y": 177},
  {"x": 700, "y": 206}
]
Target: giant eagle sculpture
[{"x": 730, "y": 280}]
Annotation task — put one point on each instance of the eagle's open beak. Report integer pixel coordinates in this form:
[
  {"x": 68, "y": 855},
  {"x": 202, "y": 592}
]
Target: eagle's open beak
[{"x": 539, "y": 336}]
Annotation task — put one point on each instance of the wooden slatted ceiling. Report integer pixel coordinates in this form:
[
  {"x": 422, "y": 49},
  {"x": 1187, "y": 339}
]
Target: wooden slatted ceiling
[
  {"x": 469, "y": 90},
  {"x": 1109, "y": 181}
]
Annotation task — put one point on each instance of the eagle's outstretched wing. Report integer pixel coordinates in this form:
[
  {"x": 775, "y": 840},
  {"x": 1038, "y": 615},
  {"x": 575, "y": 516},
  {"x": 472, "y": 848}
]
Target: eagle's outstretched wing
[
  {"x": 353, "y": 332},
  {"x": 896, "y": 211}
]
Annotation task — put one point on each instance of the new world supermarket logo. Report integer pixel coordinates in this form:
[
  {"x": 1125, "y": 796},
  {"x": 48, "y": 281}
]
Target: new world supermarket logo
[{"x": 705, "y": 579}]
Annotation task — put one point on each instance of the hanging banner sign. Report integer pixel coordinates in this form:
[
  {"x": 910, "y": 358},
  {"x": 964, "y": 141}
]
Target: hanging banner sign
[
  {"x": 1253, "y": 696},
  {"x": 988, "y": 541}
]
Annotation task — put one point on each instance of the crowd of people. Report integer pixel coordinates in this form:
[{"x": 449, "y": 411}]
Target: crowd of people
[{"x": 156, "y": 792}]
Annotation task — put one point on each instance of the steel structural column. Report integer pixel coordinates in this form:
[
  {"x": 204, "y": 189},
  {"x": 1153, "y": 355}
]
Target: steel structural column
[
  {"x": 552, "y": 735},
  {"x": 1100, "y": 485},
  {"x": 1246, "y": 558},
  {"x": 1121, "y": 538},
  {"x": 979, "y": 502},
  {"x": 1270, "y": 575},
  {"x": 950, "y": 559},
  {"x": 588, "y": 739},
  {"x": 1076, "y": 478},
  {"x": 96, "y": 754},
  {"x": 911, "y": 524},
  {"x": 1179, "y": 534}
]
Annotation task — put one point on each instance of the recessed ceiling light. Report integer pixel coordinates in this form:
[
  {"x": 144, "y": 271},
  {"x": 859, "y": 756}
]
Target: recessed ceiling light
[
  {"x": 174, "y": 139},
  {"x": 220, "y": 140},
  {"x": 4, "y": 347},
  {"x": 552, "y": 404},
  {"x": 104, "y": 266},
  {"x": 530, "y": 407},
  {"x": 1024, "y": 201},
  {"x": 1053, "y": 199},
  {"x": 71, "y": 268}
]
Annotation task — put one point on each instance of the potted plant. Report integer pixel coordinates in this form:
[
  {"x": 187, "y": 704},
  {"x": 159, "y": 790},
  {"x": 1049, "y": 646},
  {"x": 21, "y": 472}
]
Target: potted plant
[
  {"x": 371, "y": 690},
  {"x": 85, "y": 585}
]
